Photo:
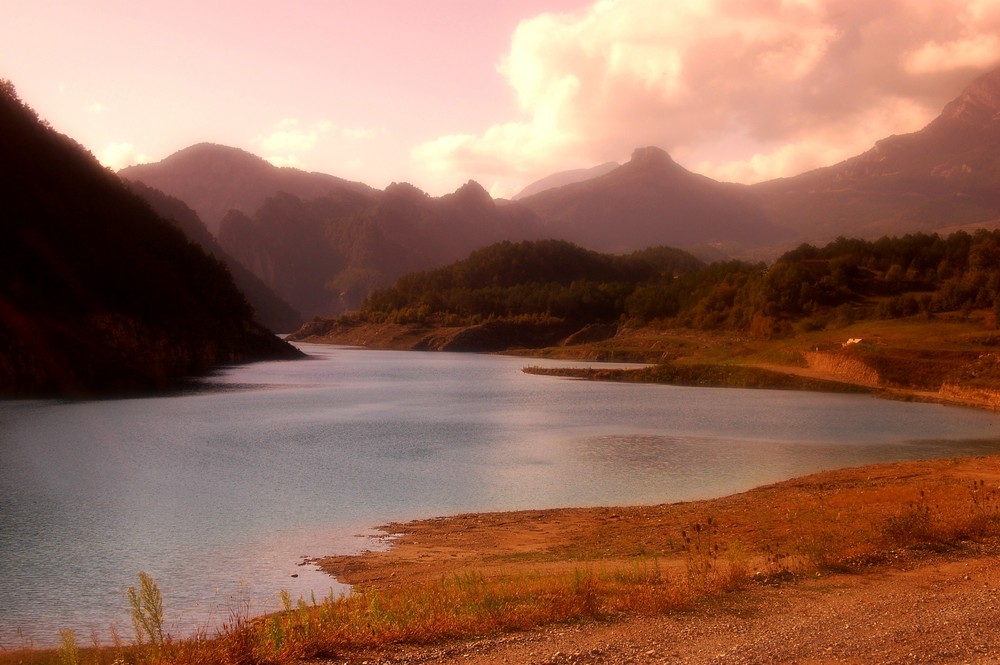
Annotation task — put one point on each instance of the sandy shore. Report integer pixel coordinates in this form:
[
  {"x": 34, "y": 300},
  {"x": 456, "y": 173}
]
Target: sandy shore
[
  {"x": 854, "y": 594},
  {"x": 831, "y": 580}
]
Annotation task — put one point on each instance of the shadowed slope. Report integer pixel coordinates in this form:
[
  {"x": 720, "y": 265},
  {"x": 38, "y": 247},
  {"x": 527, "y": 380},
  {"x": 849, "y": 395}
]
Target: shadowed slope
[{"x": 97, "y": 293}]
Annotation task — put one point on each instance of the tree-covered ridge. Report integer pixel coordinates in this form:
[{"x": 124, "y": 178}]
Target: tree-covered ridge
[
  {"x": 98, "y": 293},
  {"x": 809, "y": 287},
  {"x": 545, "y": 278}
]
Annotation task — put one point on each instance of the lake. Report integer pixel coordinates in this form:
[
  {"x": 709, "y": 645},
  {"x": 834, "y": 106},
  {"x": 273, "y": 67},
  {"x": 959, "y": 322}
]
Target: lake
[{"x": 221, "y": 492}]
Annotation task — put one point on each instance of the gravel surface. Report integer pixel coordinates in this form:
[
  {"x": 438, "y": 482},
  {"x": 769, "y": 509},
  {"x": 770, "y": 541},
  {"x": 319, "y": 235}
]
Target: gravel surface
[{"x": 928, "y": 608}]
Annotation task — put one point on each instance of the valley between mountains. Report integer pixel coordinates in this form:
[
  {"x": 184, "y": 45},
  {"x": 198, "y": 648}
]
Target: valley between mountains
[
  {"x": 323, "y": 244},
  {"x": 879, "y": 274}
]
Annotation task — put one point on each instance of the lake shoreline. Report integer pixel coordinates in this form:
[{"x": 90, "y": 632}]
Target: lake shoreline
[
  {"x": 425, "y": 548},
  {"x": 945, "y": 360},
  {"x": 361, "y": 438},
  {"x": 833, "y": 529}
]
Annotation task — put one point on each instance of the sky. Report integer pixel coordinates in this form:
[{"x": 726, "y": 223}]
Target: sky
[{"x": 504, "y": 92}]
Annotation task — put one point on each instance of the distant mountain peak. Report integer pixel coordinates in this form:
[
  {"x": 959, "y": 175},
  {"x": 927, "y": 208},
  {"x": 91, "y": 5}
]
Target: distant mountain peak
[
  {"x": 979, "y": 103},
  {"x": 214, "y": 179},
  {"x": 651, "y": 155},
  {"x": 563, "y": 178},
  {"x": 217, "y": 153},
  {"x": 473, "y": 193},
  {"x": 655, "y": 163},
  {"x": 651, "y": 200},
  {"x": 405, "y": 191}
]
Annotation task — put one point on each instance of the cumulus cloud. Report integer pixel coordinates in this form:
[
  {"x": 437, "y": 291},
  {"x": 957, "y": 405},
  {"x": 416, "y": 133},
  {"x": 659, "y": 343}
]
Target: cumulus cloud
[
  {"x": 282, "y": 161},
  {"x": 742, "y": 90},
  {"x": 288, "y": 142},
  {"x": 358, "y": 133},
  {"x": 117, "y": 155},
  {"x": 290, "y": 138}
]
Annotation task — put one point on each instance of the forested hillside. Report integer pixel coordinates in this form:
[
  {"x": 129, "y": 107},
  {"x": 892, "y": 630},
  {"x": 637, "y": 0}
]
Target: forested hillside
[
  {"x": 98, "y": 293},
  {"x": 807, "y": 288},
  {"x": 550, "y": 278}
]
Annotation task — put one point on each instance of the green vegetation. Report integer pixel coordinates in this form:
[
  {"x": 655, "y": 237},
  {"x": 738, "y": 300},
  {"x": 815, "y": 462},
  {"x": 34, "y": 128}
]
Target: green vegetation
[
  {"x": 809, "y": 288},
  {"x": 147, "y": 610},
  {"x": 546, "y": 278}
]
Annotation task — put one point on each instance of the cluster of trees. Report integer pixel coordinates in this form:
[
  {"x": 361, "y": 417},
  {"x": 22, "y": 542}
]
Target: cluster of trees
[
  {"x": 549, "y": 278},
  {"x": 810, "y": 286}
]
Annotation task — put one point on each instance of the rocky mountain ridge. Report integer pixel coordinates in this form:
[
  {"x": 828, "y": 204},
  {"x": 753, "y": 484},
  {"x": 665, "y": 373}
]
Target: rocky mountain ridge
[
  {"x": 213, "y": 179},
  {"x": 943, "y": 177}
]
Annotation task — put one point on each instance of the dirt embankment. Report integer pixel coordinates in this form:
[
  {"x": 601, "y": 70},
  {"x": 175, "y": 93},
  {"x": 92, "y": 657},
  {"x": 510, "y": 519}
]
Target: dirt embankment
[
  {"x": 490, "y": 336},
  {"x": 959, "y": 375},
  {"x": 842, "y": 366},
  {"x": 971, "y": 396}
]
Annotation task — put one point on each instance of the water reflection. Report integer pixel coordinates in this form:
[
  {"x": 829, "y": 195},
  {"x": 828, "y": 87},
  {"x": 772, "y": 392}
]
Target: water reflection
[{"x": 223, "y": 492}]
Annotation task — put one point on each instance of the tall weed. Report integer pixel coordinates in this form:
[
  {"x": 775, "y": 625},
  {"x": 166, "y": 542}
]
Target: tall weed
[{"x": 147, "y": 610}]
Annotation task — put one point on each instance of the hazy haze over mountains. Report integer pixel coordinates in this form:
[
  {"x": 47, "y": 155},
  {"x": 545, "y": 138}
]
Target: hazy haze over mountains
[
  {"x": 269, "y": 309},
  {"x": 323, "y": 243},
  {"x": 565, "y": 178},
  {"x": 945, "y": 175},
  {"x": 649, "y": 201},
  {"x": 326, "y": 254},
  {"x": 214, "y": 179}
]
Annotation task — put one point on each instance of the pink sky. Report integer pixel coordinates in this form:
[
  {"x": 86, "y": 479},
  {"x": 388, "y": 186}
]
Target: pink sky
[{"x": 501, "y": 91}]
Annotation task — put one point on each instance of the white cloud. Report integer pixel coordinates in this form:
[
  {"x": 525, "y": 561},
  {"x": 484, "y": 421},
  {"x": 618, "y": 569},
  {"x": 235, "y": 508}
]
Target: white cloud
[
  {"x": 358, "y": 133},
  {"x": 291, "y": 140},
  {"x": 282, "y": 161},
  {"x": 96, "y": 108},
  {"x": 289, "y": 137},
  {"x": 749, "y": 88},
  {"x": 975, "y": 51},
  {"x": 117, "y": 155}
]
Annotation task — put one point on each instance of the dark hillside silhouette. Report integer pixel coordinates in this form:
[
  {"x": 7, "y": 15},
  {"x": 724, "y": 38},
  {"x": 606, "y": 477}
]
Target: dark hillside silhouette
[
  {"x": 269, "y": 309},
  {"x": 97, "y": 293}
]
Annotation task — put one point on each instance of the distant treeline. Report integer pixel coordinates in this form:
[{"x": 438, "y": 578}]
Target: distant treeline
[{"x": 808, "y": 287}]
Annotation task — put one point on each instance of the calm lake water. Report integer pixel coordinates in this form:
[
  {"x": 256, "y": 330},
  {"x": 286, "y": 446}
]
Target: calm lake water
[{"x": 220, "y": 494}]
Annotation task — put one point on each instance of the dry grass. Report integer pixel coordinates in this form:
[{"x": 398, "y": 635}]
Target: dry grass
[{"x": 703, "y": 549}]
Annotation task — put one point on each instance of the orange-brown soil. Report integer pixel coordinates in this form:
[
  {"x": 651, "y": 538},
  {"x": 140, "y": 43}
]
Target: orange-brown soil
[{"x": 878, "y": 564}]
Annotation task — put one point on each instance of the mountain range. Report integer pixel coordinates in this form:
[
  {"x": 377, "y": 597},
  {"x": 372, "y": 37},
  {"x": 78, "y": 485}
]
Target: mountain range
[
  {"x": 326, "y": 254},
  {"x": 945, "y": 175},
  {"x": 323, "y": 243},
  {"x": 214, "y": 179},
  {"x": 269, "y": 309},
  {"x": 565, "y": 178},
  {"x": 651, "y": 200}
]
